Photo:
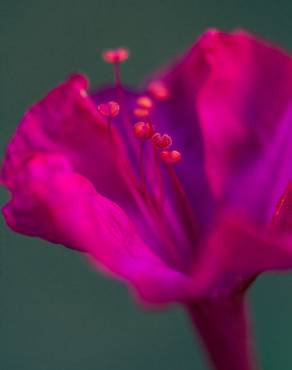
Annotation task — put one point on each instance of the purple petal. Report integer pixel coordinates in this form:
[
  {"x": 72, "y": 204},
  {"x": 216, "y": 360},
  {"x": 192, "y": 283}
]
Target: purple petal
[
  {"x": 66, "y": 122},
  {"x": 51, "y": 201},
  {"x": 238, "y": 90}
]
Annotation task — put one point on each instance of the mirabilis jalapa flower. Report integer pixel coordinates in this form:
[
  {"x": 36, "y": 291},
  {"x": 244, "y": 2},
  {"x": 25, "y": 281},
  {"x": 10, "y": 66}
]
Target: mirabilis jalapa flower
[{"x": 181, "y": 190}]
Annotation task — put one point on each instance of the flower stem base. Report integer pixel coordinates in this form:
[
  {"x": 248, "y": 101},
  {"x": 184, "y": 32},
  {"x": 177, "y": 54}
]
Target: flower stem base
[{"x": 223, "y": 328}]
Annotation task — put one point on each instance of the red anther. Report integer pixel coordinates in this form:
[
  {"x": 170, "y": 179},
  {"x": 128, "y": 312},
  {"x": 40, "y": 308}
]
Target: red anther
[
  {"x": 113, "y": 56},
  {"x": 170, "y": 156},
  {"x": 159, "y": 90},
  {"x": 143, "y": 130},
  {"x": 161, "y": 141},
  {"x": 145, "y": 102},
  {"x": 110, "y": 109},
  {"x": 141, "y": 113}
]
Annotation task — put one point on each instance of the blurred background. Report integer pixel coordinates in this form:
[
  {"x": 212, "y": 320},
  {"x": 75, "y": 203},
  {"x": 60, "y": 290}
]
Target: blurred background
[{"x": 56, "y": 313}]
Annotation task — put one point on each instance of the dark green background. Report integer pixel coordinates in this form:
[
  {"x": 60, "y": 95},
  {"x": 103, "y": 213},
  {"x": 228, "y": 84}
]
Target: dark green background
[{"x": 56, "y": 312}]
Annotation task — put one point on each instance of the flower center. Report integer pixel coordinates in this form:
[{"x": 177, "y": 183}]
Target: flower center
[{"x": 159, "y": 186}]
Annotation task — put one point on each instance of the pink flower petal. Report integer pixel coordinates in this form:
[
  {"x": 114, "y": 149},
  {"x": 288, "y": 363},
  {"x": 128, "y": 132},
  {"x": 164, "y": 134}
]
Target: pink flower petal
[
  {"x": 51, "y": 201},
  {"x": 245, "y": 114},
  {"x": 66, "y": 121},
  {"x": 239, "y": 91}
]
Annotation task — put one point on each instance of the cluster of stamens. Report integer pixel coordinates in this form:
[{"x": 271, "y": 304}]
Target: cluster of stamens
[{"x": 143, "y": 130}]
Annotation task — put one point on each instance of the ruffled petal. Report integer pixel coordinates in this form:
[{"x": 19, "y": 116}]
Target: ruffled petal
[
  {"x": 66, "y": 122},
  {"x": 239, "y": 91},
  {"x": 51, "y": 201},
  {"x": 245, "y": 109}
]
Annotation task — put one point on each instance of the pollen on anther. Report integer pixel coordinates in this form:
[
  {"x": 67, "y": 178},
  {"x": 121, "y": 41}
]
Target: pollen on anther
[
  {"x": 113, "y": 56},
  {"x": 145, "y": 102},
  {"x": 110, "y": 109},
  {"x": 141, "y": 113},
  {"x": 159, "y": 90},
  {"x": 143, "y": 130},
  {"x": 170, "y": 157},
  {"x": 161, "y": 141}
]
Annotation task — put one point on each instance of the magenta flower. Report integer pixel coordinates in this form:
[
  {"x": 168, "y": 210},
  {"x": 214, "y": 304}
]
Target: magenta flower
[{"x": 189, "y": 202}]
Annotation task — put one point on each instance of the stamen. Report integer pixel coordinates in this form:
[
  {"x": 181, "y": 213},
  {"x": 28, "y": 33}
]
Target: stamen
[
  {"x": 183, "y": 206},
  {"x": 144, "y": 107},
  {"x": 161, "y": 141},
  {"x": 160, "y": 195},
  {"x": 159, "y": 90},
  {"x": 143, "y": 130},
  {"x": 142, "y": 171},
  {"x": 145, "y": 102},
  {"x": 116, "y": 57},
  {"x": 109, "y": 110},
  {"x": 113, "y": 56},
  {"x": 141, "y": 113},
  {"x": 170, "y": 157}
]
